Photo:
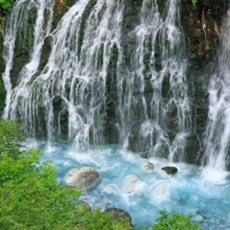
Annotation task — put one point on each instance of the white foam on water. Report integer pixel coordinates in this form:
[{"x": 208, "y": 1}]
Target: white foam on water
[{"x": 215, "y": 177}]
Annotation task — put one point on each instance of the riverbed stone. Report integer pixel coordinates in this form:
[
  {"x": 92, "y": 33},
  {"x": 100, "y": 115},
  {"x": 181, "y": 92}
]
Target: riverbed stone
[
  {"x": 148, "y": 166},
  {"x": 160, "y": 189},
  {"x": 199, "y": 218},
  {"x": 119, "y": 214},
  {"x": 170, "y": 170},
  {"x": 82, "y": 178},
  {"x": 131, "y": 183}
]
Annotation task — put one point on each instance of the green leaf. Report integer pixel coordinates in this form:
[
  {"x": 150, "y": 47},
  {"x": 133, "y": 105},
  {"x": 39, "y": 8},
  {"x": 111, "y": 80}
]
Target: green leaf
[{"x": 194, "y": 2}]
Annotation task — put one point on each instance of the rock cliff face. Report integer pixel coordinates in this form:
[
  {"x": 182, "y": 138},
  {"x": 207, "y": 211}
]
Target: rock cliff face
[{"x": 202, "y": 26}]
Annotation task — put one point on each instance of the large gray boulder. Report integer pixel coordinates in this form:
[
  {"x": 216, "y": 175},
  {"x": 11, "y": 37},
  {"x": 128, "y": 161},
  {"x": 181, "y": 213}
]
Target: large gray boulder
[{"x": 82, "y": 178}]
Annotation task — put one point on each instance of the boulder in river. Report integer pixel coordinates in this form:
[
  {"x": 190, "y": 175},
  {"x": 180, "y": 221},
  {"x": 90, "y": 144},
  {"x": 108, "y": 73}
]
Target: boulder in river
[
  {"x": 160, "y": 189},
  {"x": 170, "y": 170},
  {"x": 199, "y": 218},
  {"x": 82, "y": 178},
  {"x": 148, "y": 166},
  {"x": 131, "y": 183},
  {"x": 119, "y": 214}
]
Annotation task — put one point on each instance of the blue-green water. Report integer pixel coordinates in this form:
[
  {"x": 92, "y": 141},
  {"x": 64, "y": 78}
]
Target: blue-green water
[{"x": 186, "y": 192}]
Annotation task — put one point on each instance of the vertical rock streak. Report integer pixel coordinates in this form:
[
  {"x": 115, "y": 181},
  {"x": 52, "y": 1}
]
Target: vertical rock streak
[{"x": 92, "y": 83}]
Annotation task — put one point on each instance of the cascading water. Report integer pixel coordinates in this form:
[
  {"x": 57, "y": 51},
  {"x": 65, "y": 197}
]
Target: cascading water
[
  {"x": 160, "y": 83},
  {"x": 18, "y": 100},
  {"x": 89, "y": 83},
  {"x": 217, "y": 135}
]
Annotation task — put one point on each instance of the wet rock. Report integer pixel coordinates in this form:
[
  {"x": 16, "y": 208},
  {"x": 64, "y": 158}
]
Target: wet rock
[
  {"x": 119, "y": 214},
  {"x": 84, "y": 206},
  {"x": 131, "y": 183},
  {"x": 82, "y": 178},
  {"x": 148, "y": 166},
  {"x": 160, "y": 189},
  {"x": 110, "y": 190},
  {"x": 199, "y": 218},
  {"x": 170, "y": 170}
]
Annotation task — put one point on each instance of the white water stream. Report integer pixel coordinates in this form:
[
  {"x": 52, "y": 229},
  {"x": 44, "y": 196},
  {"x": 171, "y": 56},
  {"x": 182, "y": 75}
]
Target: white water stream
[{"x": 217, "y": 135}]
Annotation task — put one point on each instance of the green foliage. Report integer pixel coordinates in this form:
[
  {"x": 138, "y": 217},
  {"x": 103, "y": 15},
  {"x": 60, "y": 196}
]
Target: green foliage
[
  {"x": 6, "y": 4},
  {"x": 10, "y": 137},
  {"x": 31, "y": 199},
  {"x": 194, "y": 2},
  {"x": 174, "y": 222}
]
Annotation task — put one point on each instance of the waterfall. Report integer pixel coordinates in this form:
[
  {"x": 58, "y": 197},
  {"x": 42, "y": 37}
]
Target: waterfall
[
  {"x": 18, "y": 99},
  {"x": 217, "y": 134},
  {"x": 18, "y": 18},
  {"x": 103, "y": 82},
  {"x": 161, "y": 83}
]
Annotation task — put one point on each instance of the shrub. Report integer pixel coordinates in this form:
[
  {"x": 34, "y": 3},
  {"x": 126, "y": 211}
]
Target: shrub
[{"x": 174, "y": 221}]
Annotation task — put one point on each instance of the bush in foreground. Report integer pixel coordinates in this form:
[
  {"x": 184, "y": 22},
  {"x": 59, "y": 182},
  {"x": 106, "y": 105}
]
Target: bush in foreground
[{"x": 30, "y": 197}]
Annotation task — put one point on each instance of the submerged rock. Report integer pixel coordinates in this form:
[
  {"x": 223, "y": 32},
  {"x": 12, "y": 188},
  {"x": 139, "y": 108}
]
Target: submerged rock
[
  {"x": 199, "y": 218},
  {"x": 148, "y": 166},
  {"x": 110, "y": 190},
  {"x": 170, "y": 170},
  {"x": 131, "y": 183},
  {"x": 160, "y": 189},
  {"x": 119, "y": 214},
  {"x": 82, "y": 178}
]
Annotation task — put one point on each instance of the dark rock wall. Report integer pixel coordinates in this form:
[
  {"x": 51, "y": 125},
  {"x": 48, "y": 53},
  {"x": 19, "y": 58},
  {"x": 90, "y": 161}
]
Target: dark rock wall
[{"x": 202, "y": 26}]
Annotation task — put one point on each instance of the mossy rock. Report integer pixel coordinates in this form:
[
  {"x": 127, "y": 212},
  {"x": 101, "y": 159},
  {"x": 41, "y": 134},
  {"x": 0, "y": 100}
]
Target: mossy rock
[{"x": 119, "y": 214}]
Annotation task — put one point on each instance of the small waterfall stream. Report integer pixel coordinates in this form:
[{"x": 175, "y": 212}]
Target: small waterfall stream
[
  {"x": 163, "y": 87},
  {"x": 217, "y": 135}
]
